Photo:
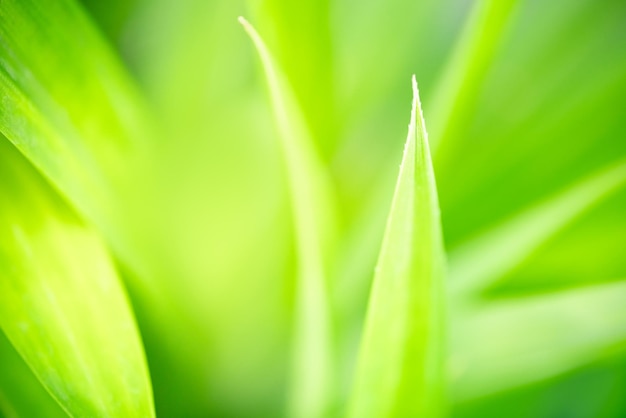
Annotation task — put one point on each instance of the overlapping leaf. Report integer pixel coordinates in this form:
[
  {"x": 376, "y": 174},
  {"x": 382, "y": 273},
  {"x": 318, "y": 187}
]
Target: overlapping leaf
[
  {"x": 61, "y": 304},
  {"x": 69, "y": 107}
]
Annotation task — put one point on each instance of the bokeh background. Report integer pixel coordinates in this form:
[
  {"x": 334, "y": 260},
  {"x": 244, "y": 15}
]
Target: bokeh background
[
  {"x": 526, "y": 98},
  {"x": 523, "y": 100}
]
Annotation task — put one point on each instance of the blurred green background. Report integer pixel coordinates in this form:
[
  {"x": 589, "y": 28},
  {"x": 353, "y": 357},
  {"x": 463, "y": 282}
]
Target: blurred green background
[
  {"x": 523, "y": 100},
  {"x": 535, "y": 101}
]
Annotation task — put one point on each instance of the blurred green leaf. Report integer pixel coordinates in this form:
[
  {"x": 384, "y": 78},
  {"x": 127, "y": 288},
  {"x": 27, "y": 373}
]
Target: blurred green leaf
[
  {"x": 70, "y": 108},
  {"x": 61, "y": 304},
  {"x": 312, "y": 207},
  {"x": 400, "y": 368},
  {"x": 547, "y": 112},
  {"x": 299, "y": 35},
  {"x": 112, "y": 16},
  {"x": 477, "y": 264},
  {"x": 21, "y": 394},
  {"x": 466, "y": 69},
  {"x": 589, "y": 251},
  {"x": 524, "y": 340}
]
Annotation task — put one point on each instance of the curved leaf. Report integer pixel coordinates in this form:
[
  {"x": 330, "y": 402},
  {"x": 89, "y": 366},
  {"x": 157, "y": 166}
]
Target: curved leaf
[
  {"x": 71, "y": 109},
  {"x": 61, "y": 304},
  {"x": 312, "y": 208}
]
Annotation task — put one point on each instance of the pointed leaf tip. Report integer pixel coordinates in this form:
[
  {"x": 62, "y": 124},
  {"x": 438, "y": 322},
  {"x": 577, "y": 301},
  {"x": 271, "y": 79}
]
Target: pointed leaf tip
[
  {"x": 313, "y": 211},
  {"x": 400, "y": 367}
]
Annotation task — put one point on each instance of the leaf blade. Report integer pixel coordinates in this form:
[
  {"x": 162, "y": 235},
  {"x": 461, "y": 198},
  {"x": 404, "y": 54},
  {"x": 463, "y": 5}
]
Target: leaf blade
[
  {"x": 404, "y": 320},
  {"x": 70, "y": 108},
  {"x": 466, "y": 69},
  {"x": 480, "y": 262},
  {"x": 61, "y": 303},
  {"x": 21, "y": 394},
  {"x": 535, "y": 338},
  {"x": 312, "y": 207}
]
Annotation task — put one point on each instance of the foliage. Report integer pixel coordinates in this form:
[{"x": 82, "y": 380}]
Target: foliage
[{"x": 190, "y": 228}]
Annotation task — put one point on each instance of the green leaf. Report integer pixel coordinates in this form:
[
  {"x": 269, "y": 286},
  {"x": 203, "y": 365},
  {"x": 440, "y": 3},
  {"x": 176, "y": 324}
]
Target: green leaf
[
  {"x": 300, "y": 37},
  {"x": 73, "y": 112},
  {"x": 480, "y": 262},
  {"x": 21, "y": 394},
  {"x": 547, "y": 113},
  {"x": 400, "y": 367},
  {"x": 515, "y": 342},
  {"x": 61, "y": 304},
  {"x": 111, "y": 16},
  {"x": 466, "y": 69},
  {"x": 312, "y": 207},
  {"x": 71, "y": 109}
]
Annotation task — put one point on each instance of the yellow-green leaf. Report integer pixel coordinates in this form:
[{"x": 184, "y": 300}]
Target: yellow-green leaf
[
  {"x": 400, "y": 367},
  {"x": 61, "y": 303},
  {"x": 21, "y": 394},
  {"x": 483, "y": 260},
  {"x": 312, "y": 208},
  {"x": 467, "y": 67},
  {"x": 70, "y": 108},
  {"x": 516, "y": 342}
]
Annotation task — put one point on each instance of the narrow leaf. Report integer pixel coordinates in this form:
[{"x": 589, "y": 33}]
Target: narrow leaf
[
  {"x": 399, "y": 372},
  {"x": 62, "y": 306},
  {"x": 467, "y": 67},
  {"x": 303, "y": 48},
  {"x": 516, "y": 342},
  {"x": 312, "y": 210},
  {"x": 477, "y": 264}
]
